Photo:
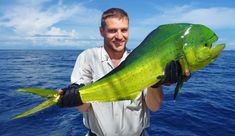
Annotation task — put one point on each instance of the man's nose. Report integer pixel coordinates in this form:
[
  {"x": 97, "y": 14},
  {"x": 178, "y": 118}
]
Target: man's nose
[{"x": 119, "y": 35}]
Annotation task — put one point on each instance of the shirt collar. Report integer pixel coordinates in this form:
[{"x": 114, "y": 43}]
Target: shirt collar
[{"x": 105, "y": 56}]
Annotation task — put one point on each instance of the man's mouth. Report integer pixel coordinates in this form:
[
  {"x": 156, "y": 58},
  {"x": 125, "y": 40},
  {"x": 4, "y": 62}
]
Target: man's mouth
[{"x": 118, "y": 43}]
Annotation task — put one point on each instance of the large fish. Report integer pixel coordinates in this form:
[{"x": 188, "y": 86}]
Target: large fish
[{"x": 191, "y": 44}]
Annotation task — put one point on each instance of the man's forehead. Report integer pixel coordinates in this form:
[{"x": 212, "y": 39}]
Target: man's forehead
[
  {"x": 116, "y": 18},
  {"x": 116, "y": 21}
]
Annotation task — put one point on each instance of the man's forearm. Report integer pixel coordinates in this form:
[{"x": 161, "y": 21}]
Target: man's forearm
[
  {"x": 154, "y": 98},
  {"x": 84, "y": 107}
]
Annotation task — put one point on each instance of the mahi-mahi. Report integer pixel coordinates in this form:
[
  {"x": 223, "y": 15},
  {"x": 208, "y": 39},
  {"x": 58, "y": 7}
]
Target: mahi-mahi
[{"x": 190, "y": 44}]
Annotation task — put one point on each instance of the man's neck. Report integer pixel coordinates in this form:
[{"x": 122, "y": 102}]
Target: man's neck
[{"x": 115, "y": 56}]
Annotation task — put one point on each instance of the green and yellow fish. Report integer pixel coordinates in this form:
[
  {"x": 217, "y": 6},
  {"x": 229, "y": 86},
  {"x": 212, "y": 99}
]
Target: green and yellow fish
[{"x": 191, "y": 44}]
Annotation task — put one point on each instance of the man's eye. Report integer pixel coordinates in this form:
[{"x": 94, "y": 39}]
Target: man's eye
[
  {"x": 112, "y": 31},
  {"x": 124, "y": 30}
]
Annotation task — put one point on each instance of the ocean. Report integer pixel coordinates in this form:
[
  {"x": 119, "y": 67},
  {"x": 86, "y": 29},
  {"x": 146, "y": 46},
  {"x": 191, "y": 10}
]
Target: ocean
[{"x": 205, "y": 106}]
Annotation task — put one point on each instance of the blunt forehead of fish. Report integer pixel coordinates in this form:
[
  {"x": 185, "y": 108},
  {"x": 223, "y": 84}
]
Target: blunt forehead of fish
[{"x": 195, "y": 35}]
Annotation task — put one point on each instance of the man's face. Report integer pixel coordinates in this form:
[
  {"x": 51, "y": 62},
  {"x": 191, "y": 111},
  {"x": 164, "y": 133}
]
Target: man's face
[{"x": 115, "y": 34}]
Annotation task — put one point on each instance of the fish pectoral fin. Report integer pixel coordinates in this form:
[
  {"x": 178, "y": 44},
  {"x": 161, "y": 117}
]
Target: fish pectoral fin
[
  {"x": 177, "y": 89},
  {"x": 184, "y": 66},
  {"x": 179, "y": 85}
]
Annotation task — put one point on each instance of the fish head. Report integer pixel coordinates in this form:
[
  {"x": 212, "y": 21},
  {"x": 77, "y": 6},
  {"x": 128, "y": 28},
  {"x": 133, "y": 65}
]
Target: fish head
[{"x": 198, "y": 46}]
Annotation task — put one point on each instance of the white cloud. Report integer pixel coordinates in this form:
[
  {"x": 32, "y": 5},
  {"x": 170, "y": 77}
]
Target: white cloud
[
  {"x": 215, "y": 17},
  {"x": 37, "y": 22},
  {"x": 30, "y": 20},
  {"x": 54, "y": 31}
]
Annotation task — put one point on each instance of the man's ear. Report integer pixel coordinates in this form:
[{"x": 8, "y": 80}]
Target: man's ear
[{"x": 102, "y": 31}]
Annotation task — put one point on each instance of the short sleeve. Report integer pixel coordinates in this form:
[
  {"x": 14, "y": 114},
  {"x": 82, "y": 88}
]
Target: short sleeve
[{"x": 81, "y": 73}]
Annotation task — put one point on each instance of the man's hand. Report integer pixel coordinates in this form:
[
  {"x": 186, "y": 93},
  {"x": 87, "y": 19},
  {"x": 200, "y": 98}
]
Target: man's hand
[
  {"x": 173, "y": 73},
  {"x": 70, "y": 96}
]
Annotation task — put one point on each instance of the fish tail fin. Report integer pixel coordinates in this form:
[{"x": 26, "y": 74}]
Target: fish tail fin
[
  {"x": 50, "y": 94},
  {"x": 38, "y": 91}
]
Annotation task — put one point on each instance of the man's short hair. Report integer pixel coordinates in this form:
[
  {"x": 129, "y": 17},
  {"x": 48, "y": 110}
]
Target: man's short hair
[{"x": 113, "y": 12}]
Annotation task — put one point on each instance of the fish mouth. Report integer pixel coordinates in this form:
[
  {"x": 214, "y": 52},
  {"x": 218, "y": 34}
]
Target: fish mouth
[{"x": 215, "y": 48}]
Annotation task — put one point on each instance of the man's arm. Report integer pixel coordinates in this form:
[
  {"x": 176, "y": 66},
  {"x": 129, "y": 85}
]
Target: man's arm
[
  {"x": 80, "y": 75},
  {"x": 84, "y": 107},
  {"x": 70, "y": 97},
  {"x": 153, "y": 98}
]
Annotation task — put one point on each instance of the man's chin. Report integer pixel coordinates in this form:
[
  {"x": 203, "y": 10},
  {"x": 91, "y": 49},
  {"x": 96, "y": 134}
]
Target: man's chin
[
  {"x": 117, "y": 47},
  {"x": 120, "y": 48}
]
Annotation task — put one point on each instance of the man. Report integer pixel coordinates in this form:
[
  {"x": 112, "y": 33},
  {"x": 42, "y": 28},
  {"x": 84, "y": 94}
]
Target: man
[{"x": 121, "y": 118}]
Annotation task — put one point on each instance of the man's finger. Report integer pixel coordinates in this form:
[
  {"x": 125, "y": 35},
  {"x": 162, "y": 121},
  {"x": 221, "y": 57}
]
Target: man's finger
[
  {"x": 60, "y": 92},
  {"x": 187, "y": 72}
]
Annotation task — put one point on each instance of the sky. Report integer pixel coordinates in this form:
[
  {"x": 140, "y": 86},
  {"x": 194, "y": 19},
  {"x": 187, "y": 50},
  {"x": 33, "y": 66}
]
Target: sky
[{"x": 74, "y": 24}]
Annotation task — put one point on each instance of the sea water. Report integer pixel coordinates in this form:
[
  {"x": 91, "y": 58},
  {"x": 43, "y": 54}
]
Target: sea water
[{"x": 204, "y": 107}]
